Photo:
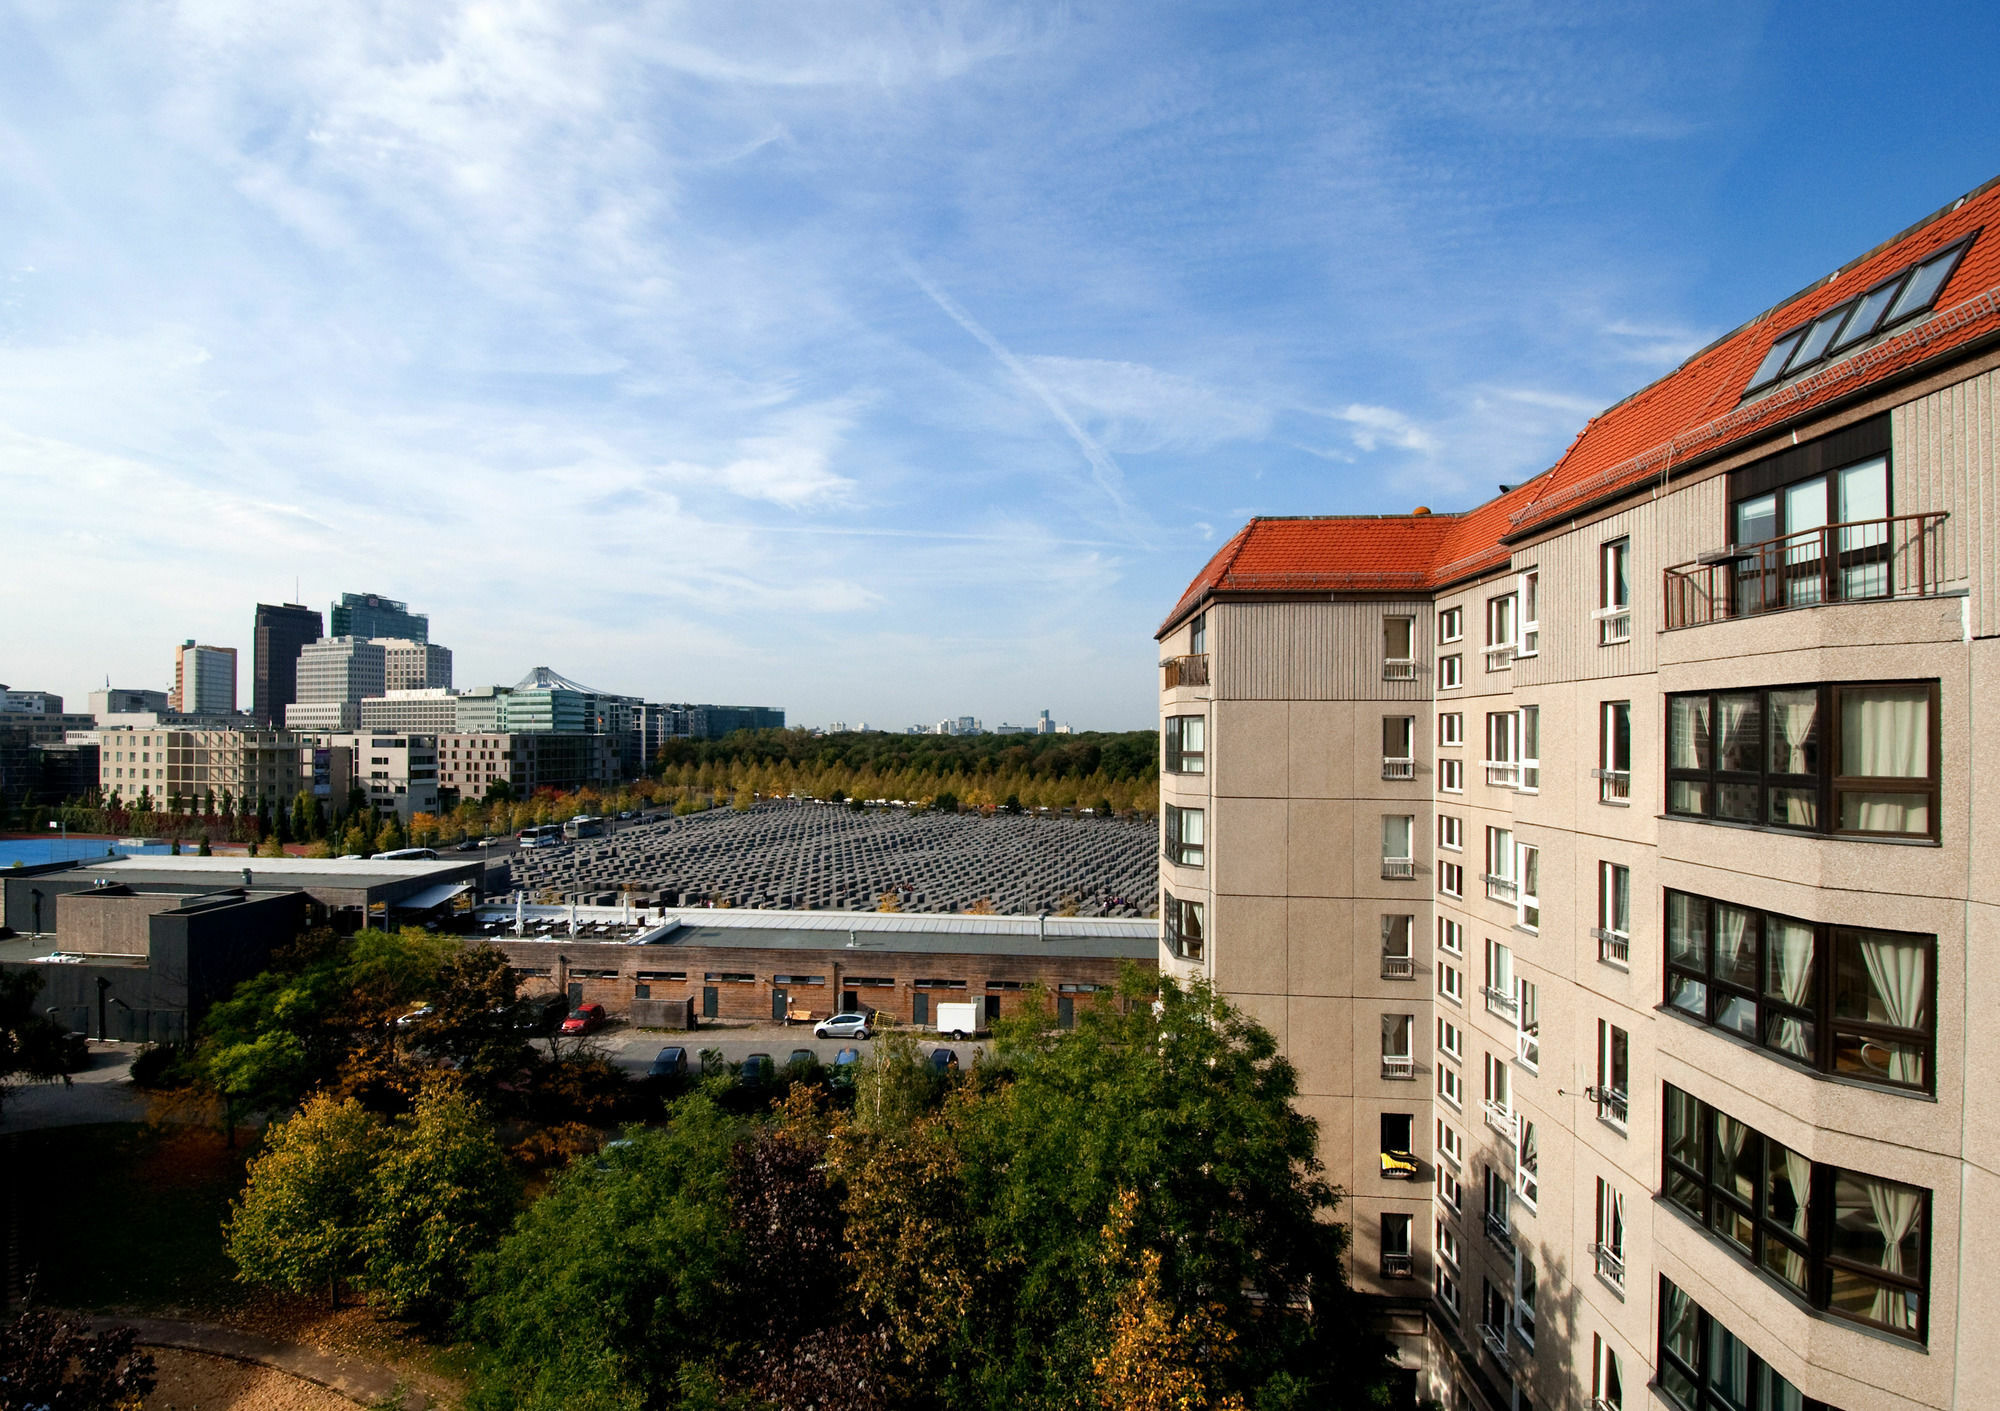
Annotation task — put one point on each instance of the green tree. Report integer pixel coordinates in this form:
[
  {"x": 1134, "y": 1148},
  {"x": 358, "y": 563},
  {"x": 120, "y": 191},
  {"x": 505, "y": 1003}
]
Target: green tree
[
  {"x": 33, "y": 1048},
  {"x": 440, "y": 1195},
  {"x": 302, "y": 1220},
  {"x": 357, "y": 840},
  {"x": 392, "y": 837}
]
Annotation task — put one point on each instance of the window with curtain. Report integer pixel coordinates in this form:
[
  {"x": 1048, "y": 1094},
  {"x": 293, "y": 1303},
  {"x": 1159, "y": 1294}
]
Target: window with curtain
[
  {"x": 1614, "y": 752},
  {"x": 1840, "y": 1000},
  {"x": 1853, "y": 1245},
  {"x": 1397, "y": 1032},
  {"x": 1500, "y": 631},
  {"x": 1184, "y": 923},
  {"x": 1398, "y": 829},
  {"x": 1398, "y": 638},
  {"x": 1614, "y": 913},
  {"x": 1857, "y": 760},
  {"x": 1705, "y": 1367},
  {"x": 1185, "y": 836},
  {"x": 1607, "y": 1386},
  {"x": 1185, "y": 744}
]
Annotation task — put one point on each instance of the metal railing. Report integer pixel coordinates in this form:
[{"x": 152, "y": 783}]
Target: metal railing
[
  {"x": 1500, "y": 888},
  {"x": 1398, "y": 967},
  {"x": 1398, "y": 768},
  {"x": 1398, "y": 1066},
  {"x": 1399, "y": 669},
  {"x": 1398, "y": 869},
  {"x": 1398, "y": 1266},
  {"x": 1611, "y": 946},
  {"x": 1185, "y": 671},
  {"x": 1501, "y": 1119},
  {"x": 1614, "y": 625},
  {"x": 1502, "y": 774},
  {"x": 1496, "y": 1343},
  {"x": 1613, "y": 785},
  {"x": 1610, "y": 1264},
  {"x": 1500, "y": 658},
  {"x": 1499, "y": 1231},
  {"x": 1859, "y": 560},
  {"x": 1498, "y": 1001},
  {"x": 1612, "y": 1105}
]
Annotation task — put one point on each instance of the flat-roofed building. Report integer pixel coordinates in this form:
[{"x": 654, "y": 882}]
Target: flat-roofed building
[
  {"x": 335, "y": 674},
  {"x": 397, "y": 771},
  {"x": 1612, "y": 862},
  {"x": 194, "y": 767},
  {"x": 128, "y": 700},
  {"x": 372, "y": 615},
  {"x": 431, "y": 711},
  {"x": 281, "y": 632},
  {"x": 204, "y": 679},
  {"x": 414, "y": 666},
  {"x": 470, "y": 763}
]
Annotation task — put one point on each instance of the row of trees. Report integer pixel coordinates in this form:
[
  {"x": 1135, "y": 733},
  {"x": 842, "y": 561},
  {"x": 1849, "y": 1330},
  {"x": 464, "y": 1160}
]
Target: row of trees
[{"x": 1130, "y": 756}]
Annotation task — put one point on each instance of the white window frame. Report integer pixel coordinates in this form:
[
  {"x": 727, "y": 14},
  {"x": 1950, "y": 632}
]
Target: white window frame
[
  {"x": 1451, "y": 832},
  {"x": 1527, "y": 1288},
  {"x": 1445, "y": 1291},
  {"x": 1614, "y": 943},
  {"x": 1451, "y": 775},
  {"x": 1399, "y": 668},
  {"x": 1527, "y": 1163},
  {"x": 1604, "y": 1372},
  {"x": 1499, "y": 987},
  {"x": 1451, "y": 624},
  {"x": 1450, "y": 1189},
  {"x": 1529, "y": 746},
  {"x": 1528, "y": 887},
  {"x": 1451, "y": 729},
  {"x": 1404, "y": 765},
  {"x": 1607, "y": 1249},
  {"x": 1451, "y": 1039},
  {"x": 1451, "y": 880},
  {"x": 1399, "y": 866},
  {"x": 1502, "y": 628},
  {"x": 1449, "y": 1247},
  {"x": 1450, "y": 1148},
  {"x": 1528, "y": 1025},
  {"x": 1399, "y": 1045},
  {"x": 1451, "y": 1087},
  {"x": 1530, "y": 629},
  {"x": 1451, "y": 936},
  {"x": 1451, "y": 672},
  {"x": 1451, "y": 983},
  {"x": 1502, "y": 883},
  {"x": 1614, "y": 781},
  {"x": 1614, "y": 598},
  {"x": 1503, "y": 749},
  {"x": 1613, "y": 1106}
]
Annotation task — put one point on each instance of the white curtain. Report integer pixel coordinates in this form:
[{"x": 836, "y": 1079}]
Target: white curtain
[
  {"x": 1885, "y": 732},
  {"x": 1689, "y": 732},
  {"x": 1737, "y": 731},
  {"x": 1895, "y": 1209},
  {"x": 1896, "y": 973},
  {"x": 1733, "y": 961},
  {"x": 1396, "y": 830},
  {"x": 1790, "y": 1265},
  {"x": 1788, "y": 956},
  {"x": 1795, "y": 714}
]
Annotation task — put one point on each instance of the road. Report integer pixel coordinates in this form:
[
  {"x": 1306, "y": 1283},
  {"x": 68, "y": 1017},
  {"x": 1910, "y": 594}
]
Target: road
[{"x": 633, "y": 1049}]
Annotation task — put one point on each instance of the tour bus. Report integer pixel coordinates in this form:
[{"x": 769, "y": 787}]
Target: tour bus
[
  {"x": 407, "y": 855},
  {"x": 584, "y": 825},
  {"x": 545, "y": 836}
]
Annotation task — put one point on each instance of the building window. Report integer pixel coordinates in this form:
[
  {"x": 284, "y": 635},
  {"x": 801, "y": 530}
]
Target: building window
[
  {"x": 1498, "y": 1091},
  {"x": 1449, "y": 1248},
  {"x": 1524, "y": 1299},
  {"x": 1198, "y": 635},
  {"x": 1451, "y": 625},
  {"x": 1609, "y": 1249},
  {"x": 1398, "y": 834},
  {"x": 1451, "y": 1039},
  {"x": 1500, "y": 637},
  {"x": 1499, "y": 987},
  {"x": 1531, "y": 614},
  {"x": 1499, "y": 1212},
  {"x": 1451, "y": 728},
  {"x": 1446, "y": 1291},
  {"x": 1399, "y": 747},
  {"x": 1451, "y": 879},
  {"x": 1607, "y": 1387},
  {"x": 1842, "y": 1000},
  {"x": 1528, "y": 887},
  {"x": 1398, "y": 1056},
  {"x": 1184, "y": 836},
  {"x": 1528, "y": 1166},
  {"x": 1185, "y": 739},
  {"x": 1853, "y": 759},
  {"x": 1398, "y": 954},
  {"x": 1451, "y": 983},
  {"x": 1451, "y": 776},
  {"x": 1531, "y": 749},
  {"x": 1528, "y": 1033},
  {"x": 1451, "y": 672},
  {"x": 1853, "y": 1245},
  {"x": 1614, "y": 1075},
  {"x": 1451, "y": 936},
  {"x": 1500, "y": 858},
  {"x": 1399, "y": 635},
  {"x": 1451, "y": 832},
  {"x": 1503, "y": 748},
  {"x": 1614, "y": 592},
  {"x": 1450, "y": 1086},
  {"x": 1705, "y": 1367},
  {"x": 1614, "y": 752},
  {"x": 1185, "y": 929},
  {"x": 1396, "y": 1258},
  {"x": 1450, "y": 1149},
  {"x": 1613, "y": 931}
]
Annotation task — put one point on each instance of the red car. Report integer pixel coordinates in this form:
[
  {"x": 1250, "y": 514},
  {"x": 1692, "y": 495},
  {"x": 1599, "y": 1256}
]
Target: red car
[{"x": 587, "y": 1020}]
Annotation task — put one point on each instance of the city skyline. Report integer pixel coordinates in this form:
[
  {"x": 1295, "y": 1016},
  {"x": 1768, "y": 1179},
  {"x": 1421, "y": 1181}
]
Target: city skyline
[{"x": 839, "y": 360}]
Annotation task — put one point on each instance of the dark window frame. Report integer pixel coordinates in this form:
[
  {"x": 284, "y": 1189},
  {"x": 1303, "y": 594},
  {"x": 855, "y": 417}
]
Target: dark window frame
[
  {"x": 1180, "y": 944},
  {"x": 1826, "y": 784},
  {"x": 1818, "y": 1015},
  {"x": 1178, "y": 850},
  {"x": 1715, "y": 1201},
  {"x": 1178, "y": 757},
  {"x": 1697, "y": 1374}
]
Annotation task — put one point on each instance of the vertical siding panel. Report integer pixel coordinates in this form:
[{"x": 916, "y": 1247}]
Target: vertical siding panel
[{"x": 1943, "y": 454}]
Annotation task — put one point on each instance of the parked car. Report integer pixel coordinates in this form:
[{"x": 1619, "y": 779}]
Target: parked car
[
  {"x": 416, "y": 1015},
  {"x": 669, "y": 1062},
  {"x": 847, "y": 1058},
  {"x": 587, "y": 1019},
  {"x": 469, "y": 845},
  {"x": 756, "y": 1069},
  {"x": 537, "y": 1015},
  {"x": 944, "y": 1060},
  {"x": 858, "y": 1024},
  {"x": 803, "y": 1057}
]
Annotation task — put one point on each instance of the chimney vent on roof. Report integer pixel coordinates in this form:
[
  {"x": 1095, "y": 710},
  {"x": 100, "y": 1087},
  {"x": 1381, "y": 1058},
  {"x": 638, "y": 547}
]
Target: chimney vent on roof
[
  {"x": 1421, "y": 509},
  {"x": 1508, "y": 489}
]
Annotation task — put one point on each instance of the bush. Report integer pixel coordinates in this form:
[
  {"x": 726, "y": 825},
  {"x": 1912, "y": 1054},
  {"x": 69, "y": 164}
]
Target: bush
[{"x": 158, "y": 1068}]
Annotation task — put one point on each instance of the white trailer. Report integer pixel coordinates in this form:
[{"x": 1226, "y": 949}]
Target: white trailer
[{"x": 959, "y": 1021}]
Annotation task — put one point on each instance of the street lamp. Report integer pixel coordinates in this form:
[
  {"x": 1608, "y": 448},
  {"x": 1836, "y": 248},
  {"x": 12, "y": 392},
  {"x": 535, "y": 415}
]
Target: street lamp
[{"x": 64, "y": 825}]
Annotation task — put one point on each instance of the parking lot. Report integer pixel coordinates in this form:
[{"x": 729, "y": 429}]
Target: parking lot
[{"x": 633, "y": 1049}]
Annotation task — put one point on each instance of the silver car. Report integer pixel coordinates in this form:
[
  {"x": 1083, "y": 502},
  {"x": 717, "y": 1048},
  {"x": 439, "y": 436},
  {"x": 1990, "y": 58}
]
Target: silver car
[{"x": 845, "y": 1026}]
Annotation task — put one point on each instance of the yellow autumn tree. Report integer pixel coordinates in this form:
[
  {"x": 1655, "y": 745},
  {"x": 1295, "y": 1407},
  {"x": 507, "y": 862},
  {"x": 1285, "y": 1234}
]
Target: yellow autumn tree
[{"x": 1157, "y": 1358}]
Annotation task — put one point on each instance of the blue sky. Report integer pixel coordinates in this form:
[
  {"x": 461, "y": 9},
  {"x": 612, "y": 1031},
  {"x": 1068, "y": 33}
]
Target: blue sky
[{"x": 882, "y": 362}]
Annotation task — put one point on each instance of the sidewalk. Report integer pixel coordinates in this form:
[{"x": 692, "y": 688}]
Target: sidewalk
[
  {"x": 102, "y": 1092},
  {"x": 362, "y": 1382}
]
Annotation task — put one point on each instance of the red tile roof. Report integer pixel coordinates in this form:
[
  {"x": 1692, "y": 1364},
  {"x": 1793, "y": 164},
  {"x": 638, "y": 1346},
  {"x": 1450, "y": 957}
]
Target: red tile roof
[{"x": 1691, "y": 413}]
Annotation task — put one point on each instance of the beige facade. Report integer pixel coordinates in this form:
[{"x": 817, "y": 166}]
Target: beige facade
[
  {"x": 1553, "y": 1057},
  {"x": 193, "y": 765}
]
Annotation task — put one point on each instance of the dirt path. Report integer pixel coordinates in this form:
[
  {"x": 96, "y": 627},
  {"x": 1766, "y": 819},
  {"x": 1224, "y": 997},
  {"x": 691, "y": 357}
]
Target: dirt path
[
  {"x": 196, "y": 1381},
  {"x": 363, "y": 1382}
]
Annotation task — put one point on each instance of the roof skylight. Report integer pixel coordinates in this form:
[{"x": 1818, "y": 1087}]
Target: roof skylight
[{"x": 1903, "y": 295}]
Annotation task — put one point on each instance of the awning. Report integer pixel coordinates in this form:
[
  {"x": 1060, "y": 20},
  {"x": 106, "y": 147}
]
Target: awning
[
  {"x": 431, "y": 897},
  {"x": 1399, "y": 1165}
]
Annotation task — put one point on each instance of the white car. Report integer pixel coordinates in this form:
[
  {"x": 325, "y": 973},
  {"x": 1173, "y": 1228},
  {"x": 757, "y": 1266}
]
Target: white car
[{"x": 845, "y": 1026}]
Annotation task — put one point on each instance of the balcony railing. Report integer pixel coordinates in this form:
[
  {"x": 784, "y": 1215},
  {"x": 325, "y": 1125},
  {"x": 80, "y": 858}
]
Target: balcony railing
[
  {"x": 1501, "y": 657},
  {"x": 1398, "y": 1066},
  {"x": 1499, "y": 1231},
  {"x": 1398, "y": 869},
  {"x": 1613, "y": 785},
  {"x": 1614, "y": 625},
  {"x": 1503, "y": 774},
  {"x": 1398, "y": 1266},
  {"x": 1398, "y": 967},
  {"x": 1399, "y": 768},
  {"x": 1500, "y": 888},
  {"x": 1856, "y": 561},
  {"x": 1612, "y": 947},
  {"x": 1496, "y": 1343},
  {"x": 1399, "y": 669},
  {"x": 1399, "y": 1166},
  {"x": 1498, "y": 1001},
  {"x": 1185, "y": 671},
  {"x": 1610, "y": 1264},
  {"x": 1502, "y": 1120},
  {"x": 1611, "y": 1105}
]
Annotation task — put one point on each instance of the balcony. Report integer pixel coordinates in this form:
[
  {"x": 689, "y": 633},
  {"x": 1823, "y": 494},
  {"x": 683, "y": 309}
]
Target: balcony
[
  {"x": 1399, "y": 768},
  {"x": 1398, "y": 967},
  {"x": 1399, "y": 1166},
  {"x": 1612, "y": 1105},
  {"x": 1400, "y": 1066},
  {"x": 1857, "y": 561},
  {"x": 1500, "y": 1002},
  {"x": 1501, "y": 1119},
  {"x": 1398, "y": 869},
  {"x": 1398, "y": 1266},
  {"x": 1503, "y": 774},
  {"x": 1399, "y": 669},
  {"x": 1612, "y": 948},
  {"x": 1614, "y": 625},
  {"x": 1610, "y": 1265},
  {"x": 1184, "y": 671},
  {"x": 1500, "y": 1232},
  {"x": 1502, "y": 889},
  {"x": 1495, "y": 1340},
  {"x": 1613, "y": 785}
]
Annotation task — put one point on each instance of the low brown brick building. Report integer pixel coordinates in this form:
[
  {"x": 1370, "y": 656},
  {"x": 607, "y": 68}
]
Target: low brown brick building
[{"x": 753, "y": 965}]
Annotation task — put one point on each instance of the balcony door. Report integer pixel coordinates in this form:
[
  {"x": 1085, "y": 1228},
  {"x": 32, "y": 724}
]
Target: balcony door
[{"x": 1788, "y": 527}]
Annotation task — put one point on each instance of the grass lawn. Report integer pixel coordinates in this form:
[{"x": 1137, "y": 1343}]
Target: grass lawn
[{"x": 128, "y": 1216}]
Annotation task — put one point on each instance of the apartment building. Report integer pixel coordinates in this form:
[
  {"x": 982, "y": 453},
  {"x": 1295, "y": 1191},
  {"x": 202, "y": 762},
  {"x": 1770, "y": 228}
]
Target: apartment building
[
  {"x": 398, "y": 772},
  {"x": 204, "y": 679},
  {"x": 428, "y": 712},
  {"x": 1616, "y": 864},
  {"x": 197, "y": 767},
  {"x": 470, "y": 764}
]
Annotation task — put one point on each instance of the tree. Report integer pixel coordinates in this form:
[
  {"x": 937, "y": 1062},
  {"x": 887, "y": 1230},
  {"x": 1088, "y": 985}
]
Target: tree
[
  {"x": 271, "y": 847},
  {"x": 33, "y": 1047},
  {"x": 440, "y": 1196},
  {"x": 392, "y": 837},
  {"x": 204, "y": 850},
  {"x": 473, "y": 1017},
  {"x": 47, "y": 1361},
  {"x": 1158, "y": 1359},
  {"x": 357, "y": 841},
  {"x": 302, "y": 1219}
]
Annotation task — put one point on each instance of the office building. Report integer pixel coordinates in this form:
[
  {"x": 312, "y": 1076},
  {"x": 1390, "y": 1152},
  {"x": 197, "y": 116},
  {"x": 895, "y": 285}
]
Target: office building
[
  {"x": 398, "y": 772},
  {"x": 128, "y": 700},
  {"x": 471, "y": 762},
  {"x": 23, "y": 737},
  {"x": 427, "y": 712},
  {"x": 334, "y": 675},
  {"x": 414, "y": 666},
  {"x": 204, "y": 679},
  {"x": 715, "y": 722},
  {"x": 369, "y": 615},
  {"x": 282, "y": 630},
  {"x": 196, "y": 768},
  {"x": 14, "y": 702},
  {"x": 1612, "y": 863}
]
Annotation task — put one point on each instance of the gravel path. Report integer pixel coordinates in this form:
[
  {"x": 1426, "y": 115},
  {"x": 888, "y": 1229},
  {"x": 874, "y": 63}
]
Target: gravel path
[{"x": 195, "y": 1381}]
